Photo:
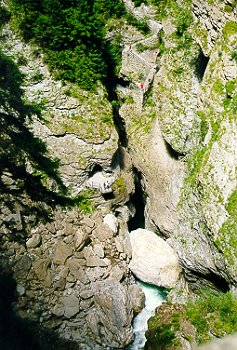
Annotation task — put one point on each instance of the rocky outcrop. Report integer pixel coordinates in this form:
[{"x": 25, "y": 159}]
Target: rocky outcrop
[
  {"x": 229, "y": 342},
  {"x": 110, "y": 321},
  {"x": 153, "y": 260},
  {"x": 169, "y": 329},
  {"x": 177, "y": 109},
  {"x": 66, "y": 285}
]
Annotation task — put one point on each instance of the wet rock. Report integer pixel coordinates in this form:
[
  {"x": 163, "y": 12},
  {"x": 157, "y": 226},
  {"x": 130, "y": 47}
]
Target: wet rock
[
  {"x": 137, "y": 297},
  {"x": 153, "y": 260}
]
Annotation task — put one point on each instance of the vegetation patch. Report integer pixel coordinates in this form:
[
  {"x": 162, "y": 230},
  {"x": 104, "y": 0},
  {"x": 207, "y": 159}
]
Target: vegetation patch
[
  {"x": 213, "y": 315},
  {"x": 85, "y": 201},
  {"x": 167, "y": 327},
  {"x": 227, "y": 236},
  {"x": 229, "y": 29},
  {"x": 72, "y": 36}
]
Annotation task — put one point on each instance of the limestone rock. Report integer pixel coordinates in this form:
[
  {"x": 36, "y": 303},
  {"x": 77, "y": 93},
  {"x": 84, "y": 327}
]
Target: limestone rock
[
  {"x": 70, "y": 305},
  {"x": 111, "y": 320},
  {"x": 42, "y": 271},
  {"x": 23, "y": 266},
  {"x": 99, "y": 250},
  {"x": 80, "y": 238},
  {"x": 58, "y": 310},
  {"x": 60, "y": 284},
  {"x": 153, "y": 260},
  {"x": 34, "y": 241},
  {"x": 94, "y": 261},
  {"x": 103, "y": 232},
  {"x": 137, "y": 297},
  {"x": 62, "y": 252},
  {"x": 112, "y": 222},
  {"x": 227, "y": 343},
  {"x": 116, "y": 273}
]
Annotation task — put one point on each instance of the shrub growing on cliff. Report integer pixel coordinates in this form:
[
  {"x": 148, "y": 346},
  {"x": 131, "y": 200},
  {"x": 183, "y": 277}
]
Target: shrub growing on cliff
[{"x": 72, "y": 36}]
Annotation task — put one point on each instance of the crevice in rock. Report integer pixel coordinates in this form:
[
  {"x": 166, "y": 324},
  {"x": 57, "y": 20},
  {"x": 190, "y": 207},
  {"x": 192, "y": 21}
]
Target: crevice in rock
[
  {"x": 200, "y": 65},
  {"x": 119, "y": 123},
  {"x": 120, "y": 126},
  {"x": 138, "y": 201},
  {"x": 172, "y": 152},
  {"x": 108, "y": 196},
  {"x": 197, "y": 279},
  {"x": 121, "y": 81},
  {"x": 95, "y": 169}
]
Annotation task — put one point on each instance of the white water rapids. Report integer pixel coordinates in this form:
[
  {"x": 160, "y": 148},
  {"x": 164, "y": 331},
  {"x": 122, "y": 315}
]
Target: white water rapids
[{"x": 153, "y": 298}]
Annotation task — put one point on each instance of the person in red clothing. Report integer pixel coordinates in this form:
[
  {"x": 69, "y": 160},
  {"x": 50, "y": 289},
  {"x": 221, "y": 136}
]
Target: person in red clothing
[{"x": 142, "y": 86}]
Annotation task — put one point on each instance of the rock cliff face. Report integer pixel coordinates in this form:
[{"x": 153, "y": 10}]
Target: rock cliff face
[
  {"x": 191, "y": 142},
  {"x": 176, "y": 127}
]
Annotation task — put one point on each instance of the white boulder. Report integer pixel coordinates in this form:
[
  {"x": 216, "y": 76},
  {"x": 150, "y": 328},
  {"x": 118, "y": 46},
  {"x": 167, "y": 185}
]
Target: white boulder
[
  {"x": 153, "y": 260},
  {"x": 112, "y": 222}
]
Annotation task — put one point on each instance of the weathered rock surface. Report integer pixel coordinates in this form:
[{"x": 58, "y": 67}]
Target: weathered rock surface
[
  {"x": 111, "y": 320},
  {"x": 169, "y": 329},
  {"x": 153, "y": 260},
  {"x": 228, "y": 342},
  {"x": 181, "y": 128}
]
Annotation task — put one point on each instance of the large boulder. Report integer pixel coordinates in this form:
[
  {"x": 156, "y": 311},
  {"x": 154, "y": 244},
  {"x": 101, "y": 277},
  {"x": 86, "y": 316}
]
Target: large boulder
[{"x": 153, "y": 260}]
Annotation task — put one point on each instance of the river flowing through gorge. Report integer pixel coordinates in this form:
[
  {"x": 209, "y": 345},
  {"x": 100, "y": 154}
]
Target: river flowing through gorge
[{"x": 154, "y": 297}]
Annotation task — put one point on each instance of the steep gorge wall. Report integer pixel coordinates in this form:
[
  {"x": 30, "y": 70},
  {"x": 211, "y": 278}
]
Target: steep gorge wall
[
  {"x": 73, "y": 272},
  {"x": 182, "y": 138}
]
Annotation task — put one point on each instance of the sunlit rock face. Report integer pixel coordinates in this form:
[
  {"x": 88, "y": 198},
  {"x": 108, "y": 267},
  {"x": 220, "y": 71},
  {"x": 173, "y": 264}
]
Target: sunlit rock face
[{"x": 153, "y": 260}]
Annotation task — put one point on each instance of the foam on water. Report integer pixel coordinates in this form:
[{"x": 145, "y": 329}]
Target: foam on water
[{"x": 153, "y": 298}]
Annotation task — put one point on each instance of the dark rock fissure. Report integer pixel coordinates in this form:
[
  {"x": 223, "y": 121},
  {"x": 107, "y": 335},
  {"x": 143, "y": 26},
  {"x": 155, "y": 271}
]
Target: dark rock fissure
[
  {"x": 138, "y": 201},
  {"x": 173, "y": 154},
  {"x": 119, "y": 123},
  {"x": 196, "y": 278},
  {"x": 200, "y": 65},
  {"x": 95, "y": 169},
  {"x": 120, "y": 126}
]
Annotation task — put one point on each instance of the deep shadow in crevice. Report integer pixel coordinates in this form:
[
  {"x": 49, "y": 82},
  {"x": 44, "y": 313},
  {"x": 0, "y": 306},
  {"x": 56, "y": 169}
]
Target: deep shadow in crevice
[
  {"x": 173, "y": 154},
  {"x": 95, "y": 169},
  {"x": 118, "y": 159},
  {"x": 23, "y": 334},
  {"x": 108, "y": 196},
  {"x": 122, "y": 82},
  {"x": 138, "y": 200},
  {"x": 120, "y": 126},
  {"x": 211, "y": 280},
  {"x": 200, "y": 65}
]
